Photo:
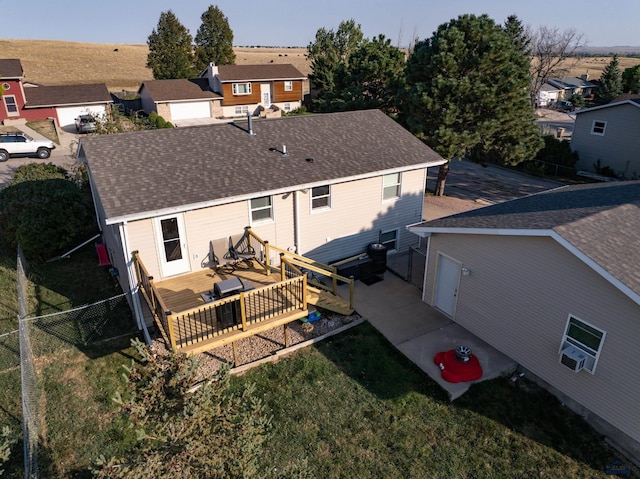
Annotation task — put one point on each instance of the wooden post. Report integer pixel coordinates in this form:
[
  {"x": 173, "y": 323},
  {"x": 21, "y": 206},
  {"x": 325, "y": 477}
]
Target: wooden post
[
  {"x": 283, "y": 273},
  {"x": 267, "y": 259},
  {"x": 351, "y": 291},
  {"x": 235, "y": 354},
  {"x": 243, "y": 312},
  {"x": 172, "y": 335},
  {"x": 304, "y": 292},
  {"x": 286, "y": 335}
]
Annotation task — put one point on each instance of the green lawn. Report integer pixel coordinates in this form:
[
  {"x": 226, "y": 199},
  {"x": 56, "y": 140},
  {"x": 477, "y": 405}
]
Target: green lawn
[{"x": 354, "y": 407}]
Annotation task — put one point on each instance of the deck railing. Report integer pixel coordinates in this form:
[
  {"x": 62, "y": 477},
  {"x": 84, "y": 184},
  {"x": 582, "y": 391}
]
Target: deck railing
[{"x": 150, "y": 293}]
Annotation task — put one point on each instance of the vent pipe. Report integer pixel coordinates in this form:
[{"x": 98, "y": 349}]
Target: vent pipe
[
  {"x": 284, "y": 150},
  {"x": 250, "y": 124}
]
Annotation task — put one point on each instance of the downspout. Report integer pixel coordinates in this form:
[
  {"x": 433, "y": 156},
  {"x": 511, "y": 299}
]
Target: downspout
[
  {"x": 426, "y": 272},
  {"x": 132, "y": 280},
  {"x": 296, "y": 221}
]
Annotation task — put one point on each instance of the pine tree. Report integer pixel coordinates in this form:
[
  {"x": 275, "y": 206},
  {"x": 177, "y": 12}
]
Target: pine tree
[
  {"x": 467, "y": 95},
  {"x": 214, "y": 40},
  {"x": 518, "y": 34},
  {"x": 610, "y": 82},
  {"x": 170, "y": 49},
  {"x": 631, "y": 79}
]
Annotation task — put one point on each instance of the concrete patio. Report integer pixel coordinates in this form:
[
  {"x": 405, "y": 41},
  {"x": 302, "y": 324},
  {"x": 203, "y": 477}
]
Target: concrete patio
[{"x": 395, "y": 308}]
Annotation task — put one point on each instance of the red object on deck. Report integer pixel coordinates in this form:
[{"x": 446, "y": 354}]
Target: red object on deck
[
  {"x": 103, "y": 257},
  {"x": 455, "y": 371}
]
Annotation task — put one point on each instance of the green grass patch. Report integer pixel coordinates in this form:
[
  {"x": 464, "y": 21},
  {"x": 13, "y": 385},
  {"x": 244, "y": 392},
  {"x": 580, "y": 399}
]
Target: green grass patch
[{"x": 353, "y": 406}]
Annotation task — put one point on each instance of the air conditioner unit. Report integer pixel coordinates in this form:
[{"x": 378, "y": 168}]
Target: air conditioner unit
[{"x": 573, "y": 358}]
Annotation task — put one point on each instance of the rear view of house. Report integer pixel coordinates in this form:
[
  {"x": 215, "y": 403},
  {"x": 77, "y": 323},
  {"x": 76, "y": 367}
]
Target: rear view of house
[{"x": 551, "y": 280}]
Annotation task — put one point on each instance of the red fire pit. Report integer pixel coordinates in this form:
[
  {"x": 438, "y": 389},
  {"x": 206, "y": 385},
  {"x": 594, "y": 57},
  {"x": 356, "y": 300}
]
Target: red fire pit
[{"x": 458, "y": 365}]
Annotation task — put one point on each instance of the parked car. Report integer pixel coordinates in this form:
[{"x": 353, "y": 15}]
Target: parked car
[
  {"x": 564, "y": 105},
  {"x": 85, "y": 124},
  {"x": 21, "y": 144}
]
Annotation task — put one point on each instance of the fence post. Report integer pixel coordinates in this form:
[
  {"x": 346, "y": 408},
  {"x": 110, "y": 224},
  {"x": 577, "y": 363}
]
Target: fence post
[
  {"x": 172, "y": 335},
  {"x": 267, "y": 259},
  {"x": 351, "y": 291},
  {"x": 304, "y": 292},
  {"x": 283, "y": 273},
  {"x": 243, "y": 311}
]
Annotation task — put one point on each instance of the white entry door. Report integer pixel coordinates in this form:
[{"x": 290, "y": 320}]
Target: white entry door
[
  {"x": 172, "y": 246},
  {"x": 265, "y": 90},
  {"x": 447, "y": 281}
]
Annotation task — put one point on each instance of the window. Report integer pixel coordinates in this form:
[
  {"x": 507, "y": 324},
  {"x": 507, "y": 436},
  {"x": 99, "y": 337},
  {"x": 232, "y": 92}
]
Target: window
[
  {"x": 287, "y": 107},
  {"x": 586, "y": 338},
  {"x": 288, "y": 85},
  {"x": 389, "y": 239},
  {"x": 598, "y": 127},
  {"x": 242, "y": 88},
  {"x": 321, "y": 197},
  {"x": 242, "y": 110},
  {"x": 11, "y": 105},
  {"x": 391, "y": 186},
  {"x": 261, "y": 209},
  {"x": 6, "y": 86}
]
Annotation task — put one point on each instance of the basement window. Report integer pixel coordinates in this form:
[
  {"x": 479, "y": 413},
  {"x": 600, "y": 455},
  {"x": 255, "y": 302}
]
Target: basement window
[
  {"x": 242, "y": 110},
  {"x": 598, "y": 127},
  {"x": 389, "y": 239},
  {"x": 242, "y": 88},
  {"x": 585, "y": 337}
]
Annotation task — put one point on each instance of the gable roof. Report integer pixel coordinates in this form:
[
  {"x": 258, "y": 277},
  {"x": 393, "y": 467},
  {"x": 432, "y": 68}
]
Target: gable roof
[
  {"x": 600, "y": 223},
  {"x": 144, "y": 174},
  {"x": 570, "y": 82},
  {"x": 632, "y": 101},
  {"x": 11, "y": 68},
  {"x": 227, "y": 73},
  {"x": 53, "y": 96},
  {"x": 179, "y": 89}
]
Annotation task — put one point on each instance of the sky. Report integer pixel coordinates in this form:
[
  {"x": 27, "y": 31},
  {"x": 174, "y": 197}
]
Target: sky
[{"x": 295, "y": 22}]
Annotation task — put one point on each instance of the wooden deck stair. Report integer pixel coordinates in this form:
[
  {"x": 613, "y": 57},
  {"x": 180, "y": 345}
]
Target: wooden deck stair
[{"x": 326, "y": 300}]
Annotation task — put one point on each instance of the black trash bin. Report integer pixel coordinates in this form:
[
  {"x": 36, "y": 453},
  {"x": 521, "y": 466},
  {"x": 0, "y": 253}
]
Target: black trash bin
[{"x": 378, "y": 254}]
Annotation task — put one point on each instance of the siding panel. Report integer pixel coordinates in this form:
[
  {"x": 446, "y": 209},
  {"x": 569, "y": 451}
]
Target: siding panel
[{"x": 517, "y": 298}]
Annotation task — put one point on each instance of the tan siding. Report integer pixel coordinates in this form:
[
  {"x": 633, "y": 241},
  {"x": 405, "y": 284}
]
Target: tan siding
[
  {"x": 280, "y": 95},
  {"x": 230, "y": 99},
  {"x": 357, "y": 215},
  {"x": 619, "y": 146},
  {"x": 164, "y": 110},
  {"x": 142, "y": 238},
  {"x": 517, "y": 298}
]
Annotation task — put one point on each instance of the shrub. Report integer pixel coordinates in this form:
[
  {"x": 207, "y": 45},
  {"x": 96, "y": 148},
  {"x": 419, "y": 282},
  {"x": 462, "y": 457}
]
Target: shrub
[
  {"x": 44, "y": 210},
  {"x": 557, "y": 153}
]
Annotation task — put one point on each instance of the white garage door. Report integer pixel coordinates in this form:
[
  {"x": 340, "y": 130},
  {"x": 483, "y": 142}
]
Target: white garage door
[
  {"x": 188, "y": 110},
  {"x": 67, "y": 114}
]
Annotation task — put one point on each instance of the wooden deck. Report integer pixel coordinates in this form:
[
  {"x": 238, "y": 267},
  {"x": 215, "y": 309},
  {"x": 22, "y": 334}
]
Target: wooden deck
[{"x": 183, "y": 292}]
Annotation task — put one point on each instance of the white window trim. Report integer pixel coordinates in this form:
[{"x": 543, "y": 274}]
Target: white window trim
[
  {"x": 271, "y": 219},
  {"x": 399, "y": 185},
  {"x": 397, "y": 240},
  {"x": 593, "y": 127},
  {"x": 320, "y": 209},
  {"x": 288, "y": 85},
  {"x": 241, "y": 109},
  {"x": 6, "y": 106},
  {"x": 6, "y": 86},
  {"x": 583, "y": 348},
  {"x": 234, "y": 87},
  {"x": 287, "y": 107}
]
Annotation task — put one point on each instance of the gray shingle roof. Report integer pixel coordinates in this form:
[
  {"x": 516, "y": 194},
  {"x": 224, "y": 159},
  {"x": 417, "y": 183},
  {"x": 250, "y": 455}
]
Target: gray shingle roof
[
  {"x": 140, "y": 172},
  {"x": 179, "y": 89},
  {"x": 275, "y": 71},
  {"x": 600, "y": 220},
  {"x": 47, "y": 96},
  {"x": 10, "y": 68}
]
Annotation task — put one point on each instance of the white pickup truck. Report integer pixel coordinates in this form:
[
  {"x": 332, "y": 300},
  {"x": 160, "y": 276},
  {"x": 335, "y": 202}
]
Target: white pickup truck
[{"x": 21, "y": 144}]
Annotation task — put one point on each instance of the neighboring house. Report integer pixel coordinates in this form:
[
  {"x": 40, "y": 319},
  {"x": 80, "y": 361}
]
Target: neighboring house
[
  {"x": 552, "y": 280},
  {"x": 256, "y": 88},
  {"x": 547, "y": 95},
  {"x": 180, "y": 99},
  {"x": 569, "y": 86},
  {"x": 324, "y": 186},
  {"x": 62, "y": 103},
  {"x": 606, "y": 136}
]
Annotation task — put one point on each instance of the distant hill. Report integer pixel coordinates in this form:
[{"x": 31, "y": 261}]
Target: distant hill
[{"x": 610, "y": 51}]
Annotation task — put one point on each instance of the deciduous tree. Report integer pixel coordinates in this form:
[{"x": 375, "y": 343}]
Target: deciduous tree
[
  {"x": 610, "y": 85},
  {"x": 170, "y": 50},
  {"x": 466, "y": 95},
  {"x": 214, "y": 40}
]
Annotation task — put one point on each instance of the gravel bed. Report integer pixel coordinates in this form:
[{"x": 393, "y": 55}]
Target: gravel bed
[{"x": 261, "y": 345}]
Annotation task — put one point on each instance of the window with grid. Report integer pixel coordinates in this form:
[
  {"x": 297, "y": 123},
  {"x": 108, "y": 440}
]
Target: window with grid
[
  {"x": 242, "y": 110},
  {"x": 288, "y": 85},
  {"x": 320, "y": 197},
  {"x": 598, "y": 127},
  {"x": 242, "y": 88},
  {"x": 261, "y": 209},
  {"x": 287, "y": 107},
  {"x": 10, "y": 104},
  {"x": 586, "y": 338},
  {"x": 391, "y": 186}
]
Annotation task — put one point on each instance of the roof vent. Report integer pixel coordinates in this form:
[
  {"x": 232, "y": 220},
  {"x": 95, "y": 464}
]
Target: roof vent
[
  {"x": 309, "y": 160},
  {"x": 250, "y": 124},
  {"x": 284, "y": 150}
]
